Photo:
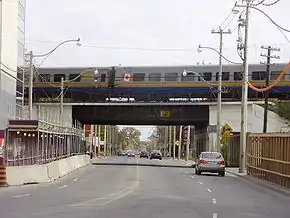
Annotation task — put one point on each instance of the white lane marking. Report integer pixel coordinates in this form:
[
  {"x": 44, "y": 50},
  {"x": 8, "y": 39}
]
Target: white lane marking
[
  {"x": 76, "y": 179},
  {"x": 93, "y": 167},
  {"x": 192, "y": 177},
  {"x": 215, "y": 215},
  {"x": 200, "y": 183},
  {"x": 209, "y": 190},
  {"x": 19, "y": 196},
  {"x": 214, "y": 201},
  {"x": 62, "y": 186}
]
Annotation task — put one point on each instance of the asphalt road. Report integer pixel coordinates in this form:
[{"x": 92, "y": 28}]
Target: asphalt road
[{"x": 141, "y": 191}]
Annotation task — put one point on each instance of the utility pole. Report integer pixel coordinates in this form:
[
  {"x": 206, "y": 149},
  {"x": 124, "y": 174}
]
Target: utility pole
[
  {"x": 61, "y": 99},
  {"x": 173, "y": 141},
  {"x": 187, "y": 143},
  {"x": 91, "y": 139},
  {"x": 105, "y": 141},
  {"x": 99, "y": 139},
  {"x": 268, "y": 70},
  {"x": 244, "y": 106},
  {"x": 220, "y": 74},
  {"x": 31, "y": 72},
  {"x": 170, "y": 141},
  {"x": 180, "y": 143},
  {"x": 165, "y": 141}
]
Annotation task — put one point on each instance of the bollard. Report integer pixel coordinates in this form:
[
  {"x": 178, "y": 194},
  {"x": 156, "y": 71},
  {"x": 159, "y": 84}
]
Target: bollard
[{"x": 3, "y": 179}]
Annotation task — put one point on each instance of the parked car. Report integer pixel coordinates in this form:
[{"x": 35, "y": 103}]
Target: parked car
[
  {"x": 144, "y": 154},
  {"x": 156, "y": 155},
  {"x": 211, "y": 162}
]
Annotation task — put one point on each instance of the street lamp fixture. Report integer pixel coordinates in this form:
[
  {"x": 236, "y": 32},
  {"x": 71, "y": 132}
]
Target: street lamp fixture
[{"x": 32, "y": 56}]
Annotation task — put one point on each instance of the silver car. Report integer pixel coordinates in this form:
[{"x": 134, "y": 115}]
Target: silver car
[{"x": 211, "y": 162}]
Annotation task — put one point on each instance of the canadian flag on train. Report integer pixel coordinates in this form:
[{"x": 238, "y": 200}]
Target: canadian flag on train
[{"x": 127, "y": 77}]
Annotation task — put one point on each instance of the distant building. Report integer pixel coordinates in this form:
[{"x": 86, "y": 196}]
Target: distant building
[{"x": 12, "y": 44}]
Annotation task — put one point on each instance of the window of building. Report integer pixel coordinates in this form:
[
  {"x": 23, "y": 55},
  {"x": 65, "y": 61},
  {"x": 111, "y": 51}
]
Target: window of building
[
  {"x": 137, "y": 77},
  {"x": 238, "y": 76},
  {"x": 103, "y": 77},
  {"x": 21, "y": 11},
  {"x": 274, "y": 75},
  {"x": 21, "y": 24},
  {"x": 171, "y": 76},
  {"x": 21, "y": 36},
  {"x": 154, "y": 77},
  {"x": 74, "y": 77},
  {"x": 20, "y": 49},
  {"x": 225, "y": 76},
  {"x": 57, "y": 77},
  {"x": 259, "y": 75},
  {"x": 190, "y": 76},
  {"x": 44, "y": 77}
]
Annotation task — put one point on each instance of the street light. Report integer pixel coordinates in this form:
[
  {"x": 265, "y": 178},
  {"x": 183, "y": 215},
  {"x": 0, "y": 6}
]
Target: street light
[{"x": 31, "y": 57}]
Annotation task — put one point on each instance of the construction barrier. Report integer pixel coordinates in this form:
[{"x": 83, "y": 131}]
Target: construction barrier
[
  {"x": 32, "y": 174},
  {"x": 3, "y": 179}
]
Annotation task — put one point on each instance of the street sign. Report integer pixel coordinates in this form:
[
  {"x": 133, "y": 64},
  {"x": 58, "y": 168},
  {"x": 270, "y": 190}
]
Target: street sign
[
  {"x": 165, "y": 113},
  {"x": 177, "y": 143},
  {"x": 226, "y": 132}
]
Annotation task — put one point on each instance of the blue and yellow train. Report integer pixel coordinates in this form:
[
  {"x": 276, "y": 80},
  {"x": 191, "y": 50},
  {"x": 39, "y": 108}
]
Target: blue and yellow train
[{"x": 155, "y": 82}]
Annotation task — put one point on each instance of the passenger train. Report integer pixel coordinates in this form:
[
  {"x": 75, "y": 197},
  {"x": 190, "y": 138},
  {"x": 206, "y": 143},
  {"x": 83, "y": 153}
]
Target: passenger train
[{"x": 162, "y": 81}]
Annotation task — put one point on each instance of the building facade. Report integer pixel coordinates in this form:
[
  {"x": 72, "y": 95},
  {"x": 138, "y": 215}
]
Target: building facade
[{"x": 12, "y": 44}]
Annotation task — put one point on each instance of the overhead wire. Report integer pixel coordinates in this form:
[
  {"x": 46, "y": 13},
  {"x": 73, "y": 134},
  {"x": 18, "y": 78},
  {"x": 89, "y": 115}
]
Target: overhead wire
[{"x": 270, "y": 4}]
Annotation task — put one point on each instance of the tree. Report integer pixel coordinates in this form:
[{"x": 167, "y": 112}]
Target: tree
[{"x": 129, "y": 137}]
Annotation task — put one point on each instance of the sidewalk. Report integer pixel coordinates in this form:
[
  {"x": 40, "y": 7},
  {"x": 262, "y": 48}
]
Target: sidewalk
[
  {"x": 235, "y": 171},
  {"x": 259, "y": 182},
  {"x": 189, "y": 162}
]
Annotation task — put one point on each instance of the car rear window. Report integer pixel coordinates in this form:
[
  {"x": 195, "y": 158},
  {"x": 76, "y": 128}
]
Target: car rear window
[{"x": 212, "y": 155}]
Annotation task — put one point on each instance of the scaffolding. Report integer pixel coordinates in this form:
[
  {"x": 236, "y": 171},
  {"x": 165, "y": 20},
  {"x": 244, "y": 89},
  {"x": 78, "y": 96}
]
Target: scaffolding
[{"x": 30, "y": 142}]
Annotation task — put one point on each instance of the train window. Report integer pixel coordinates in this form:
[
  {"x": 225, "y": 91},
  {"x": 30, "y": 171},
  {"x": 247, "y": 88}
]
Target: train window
[
  {"x": 154, "y": 76},
  {"x": 171, "y": 76},
  {"x": 207, "y": 76},
  {"x": 259, "y": 75},
  {"x": 57, "y": 77},
  {"x": 238, "y": 76},
  {"x": 225, "y": 76},
  {"x": 103, "y": 77},
  {"x": 274, "y": 75},
  {"x": 44, "y": 77},
  {"x": 75, "y": 77},
  {"x": 138, "y": 77},
  {"x": 189, "y": 76}
]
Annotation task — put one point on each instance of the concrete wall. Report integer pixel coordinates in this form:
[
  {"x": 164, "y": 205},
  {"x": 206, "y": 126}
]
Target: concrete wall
[
  {"x": 231, "y": 114},
  {"x": 52, "y": 113},
  {"x": 20, "y": 175}
]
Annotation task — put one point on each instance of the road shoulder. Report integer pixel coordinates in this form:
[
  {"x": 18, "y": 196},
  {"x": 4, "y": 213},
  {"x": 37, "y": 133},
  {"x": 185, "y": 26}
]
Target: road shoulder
[{"x": 261, "y": 183}]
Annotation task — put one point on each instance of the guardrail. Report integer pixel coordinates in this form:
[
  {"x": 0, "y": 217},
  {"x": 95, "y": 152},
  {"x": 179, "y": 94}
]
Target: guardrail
[{"x": 268, "y": 157}]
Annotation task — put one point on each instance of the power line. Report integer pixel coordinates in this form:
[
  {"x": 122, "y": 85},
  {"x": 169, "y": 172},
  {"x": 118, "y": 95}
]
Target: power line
[{"x": 270, "y": 4}]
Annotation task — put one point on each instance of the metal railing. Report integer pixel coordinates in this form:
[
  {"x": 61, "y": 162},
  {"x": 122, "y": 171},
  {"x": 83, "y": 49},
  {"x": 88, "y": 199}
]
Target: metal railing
[
  {"x": 27, "y": 144},
  {"x": 268, "y": 157}
]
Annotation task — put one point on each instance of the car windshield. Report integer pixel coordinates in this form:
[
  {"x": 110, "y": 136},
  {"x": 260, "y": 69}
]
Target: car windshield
[{"x": 211, "y": 155}]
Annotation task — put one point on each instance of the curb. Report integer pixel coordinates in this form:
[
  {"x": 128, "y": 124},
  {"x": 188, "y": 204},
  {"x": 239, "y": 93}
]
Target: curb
[
  {"x": 188, "y": 163},
  {"x": 263, "y": 184}
]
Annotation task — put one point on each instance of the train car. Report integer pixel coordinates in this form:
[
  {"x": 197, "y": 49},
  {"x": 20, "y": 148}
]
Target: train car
[{"x": 156, "y": 82}]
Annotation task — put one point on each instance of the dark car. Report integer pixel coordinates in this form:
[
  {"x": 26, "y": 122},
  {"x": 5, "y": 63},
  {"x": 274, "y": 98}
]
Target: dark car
[
  {"x": 156, "y": 155},
  {"x": 144, "y": 154}
]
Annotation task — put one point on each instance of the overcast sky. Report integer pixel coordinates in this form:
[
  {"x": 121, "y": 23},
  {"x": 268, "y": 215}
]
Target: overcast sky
[{"x": 107, "y": 27}]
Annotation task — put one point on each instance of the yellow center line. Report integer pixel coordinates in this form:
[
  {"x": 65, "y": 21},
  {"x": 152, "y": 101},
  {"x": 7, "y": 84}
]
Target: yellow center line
[{"x": 118, "y": 195}]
